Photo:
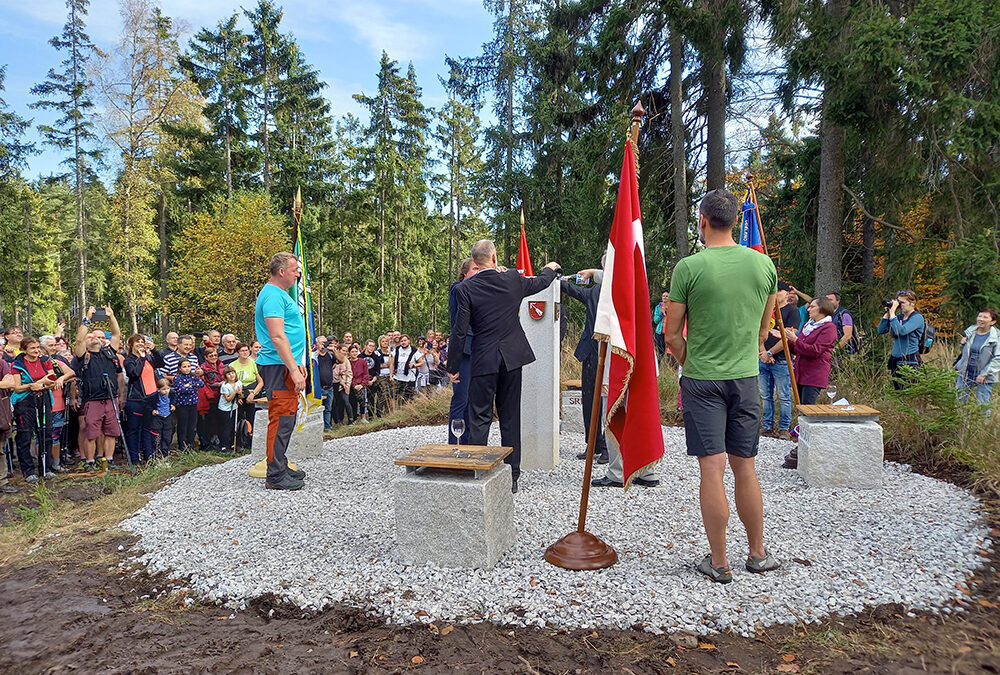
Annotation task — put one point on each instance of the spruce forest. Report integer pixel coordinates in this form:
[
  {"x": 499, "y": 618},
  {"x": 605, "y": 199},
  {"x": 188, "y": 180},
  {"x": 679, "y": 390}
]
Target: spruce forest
[{"x": 872, "y": 129}]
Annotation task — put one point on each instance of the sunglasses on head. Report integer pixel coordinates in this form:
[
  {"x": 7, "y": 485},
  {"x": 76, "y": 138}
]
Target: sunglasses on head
[{"x": 905, "y": 291}]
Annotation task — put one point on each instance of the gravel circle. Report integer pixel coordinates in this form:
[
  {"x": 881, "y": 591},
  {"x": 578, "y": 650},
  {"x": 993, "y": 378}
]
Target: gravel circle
[{"x": 333, "y": 542}]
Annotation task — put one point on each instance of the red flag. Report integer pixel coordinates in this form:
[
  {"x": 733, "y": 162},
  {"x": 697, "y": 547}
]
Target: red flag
[
  {"x": 523, "y": 257},
  {"x": 623, "y": 320}
]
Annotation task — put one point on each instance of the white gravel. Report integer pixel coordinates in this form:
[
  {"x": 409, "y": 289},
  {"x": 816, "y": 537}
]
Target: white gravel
[{"x": 334, "y": 541}]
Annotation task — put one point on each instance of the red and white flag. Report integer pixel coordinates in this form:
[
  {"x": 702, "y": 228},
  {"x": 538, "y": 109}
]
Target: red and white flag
[
  {"x": 523, "y": 257},
  {"x": 623, "y": 320}
]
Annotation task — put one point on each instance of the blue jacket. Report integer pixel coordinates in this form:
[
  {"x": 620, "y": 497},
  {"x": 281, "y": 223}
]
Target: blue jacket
[
  {"x": 905, "y": 334},
  {"x": 586, "y": 348},
  {"x": 20, "y": 369}
]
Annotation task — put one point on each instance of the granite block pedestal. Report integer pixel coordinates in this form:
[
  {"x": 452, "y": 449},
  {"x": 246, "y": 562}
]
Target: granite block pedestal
[
  {"x": 572, "y": 411},
  {"x": 840, "y": 454},
  {"x": 305, "y": 443},
  {"x": 454, "y": 518}
]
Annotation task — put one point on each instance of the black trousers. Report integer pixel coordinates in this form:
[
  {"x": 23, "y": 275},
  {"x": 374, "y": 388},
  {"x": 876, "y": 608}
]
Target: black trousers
[
  {"x": 505, "y": 387},
  {"x": 163, "y": 435},
  {"x": 808, "y": 395},
  {"x": 187, "y": 422},
  {"x": 227, "y": 429},
  {"x": 588, "y": 378},
  {"x": 33, "y": 414}
]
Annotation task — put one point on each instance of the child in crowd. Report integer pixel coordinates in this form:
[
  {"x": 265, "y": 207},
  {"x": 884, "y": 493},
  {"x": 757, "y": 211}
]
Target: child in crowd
[
  {"x": 186, "y": 386},
  {"x": 163, "y": 423},
  {"x": 229, "y": 394}
]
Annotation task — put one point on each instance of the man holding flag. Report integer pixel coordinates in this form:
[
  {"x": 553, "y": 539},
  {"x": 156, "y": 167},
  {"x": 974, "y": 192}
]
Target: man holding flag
[
  {"x": 281, "y": 330},
  {"x": 726, "y": 293}
]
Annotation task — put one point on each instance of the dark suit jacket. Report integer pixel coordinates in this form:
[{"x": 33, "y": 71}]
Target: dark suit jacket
[
  {"x": 589, "y": 296},
  {"x": 488, "y": 304}
]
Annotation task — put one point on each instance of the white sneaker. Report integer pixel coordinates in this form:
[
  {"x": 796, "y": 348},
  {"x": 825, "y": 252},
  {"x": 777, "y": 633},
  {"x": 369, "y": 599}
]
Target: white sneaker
[{"x": 31, "y": 479}]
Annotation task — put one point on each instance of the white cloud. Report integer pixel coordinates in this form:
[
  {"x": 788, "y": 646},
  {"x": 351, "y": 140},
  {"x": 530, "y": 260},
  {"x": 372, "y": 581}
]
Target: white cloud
[{"x": 383, "y": 29}]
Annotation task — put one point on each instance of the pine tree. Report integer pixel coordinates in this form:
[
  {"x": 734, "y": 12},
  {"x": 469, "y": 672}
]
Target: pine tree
[
  {"x": 68, "y": 92},
  {"x": 458, "y": 135},
  {"x": 14, "y": 150},
  {"x": 216, "y": 63},
  {"x": 269, "y": 56},
  {"x": 503, "y": 69}
]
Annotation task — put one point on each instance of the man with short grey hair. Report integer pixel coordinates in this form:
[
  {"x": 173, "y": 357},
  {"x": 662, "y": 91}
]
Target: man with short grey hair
[
  {"x": 489, "y": 303},
  {"x": 228, "y": 352}
]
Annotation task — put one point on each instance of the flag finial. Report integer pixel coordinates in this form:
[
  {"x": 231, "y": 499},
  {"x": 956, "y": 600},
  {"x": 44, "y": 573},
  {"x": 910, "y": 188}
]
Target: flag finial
[{"x": 297, "y": 206}]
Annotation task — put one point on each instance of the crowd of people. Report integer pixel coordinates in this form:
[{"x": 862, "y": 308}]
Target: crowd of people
[
  {"x": 70, "y": 405},
  {"x": 821, "y": 331}
]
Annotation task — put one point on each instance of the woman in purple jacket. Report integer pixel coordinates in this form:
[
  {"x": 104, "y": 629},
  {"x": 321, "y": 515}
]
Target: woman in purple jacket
[{"x": 813, "y": 349}]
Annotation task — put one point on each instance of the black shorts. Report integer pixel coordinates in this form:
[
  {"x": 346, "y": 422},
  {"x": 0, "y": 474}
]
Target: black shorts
[{"x": 721, "y": 416}]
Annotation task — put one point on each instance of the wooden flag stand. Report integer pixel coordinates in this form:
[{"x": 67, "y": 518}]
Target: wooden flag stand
[{"x": 581, "y": 550}]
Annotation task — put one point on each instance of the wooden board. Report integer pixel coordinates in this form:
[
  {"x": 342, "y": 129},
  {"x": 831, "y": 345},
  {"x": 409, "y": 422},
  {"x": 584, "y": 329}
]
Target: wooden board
[
  {"x": 469, "y": 457},
  {"x": 572, "y": 384},
  {"x": 837, "y": 411}
]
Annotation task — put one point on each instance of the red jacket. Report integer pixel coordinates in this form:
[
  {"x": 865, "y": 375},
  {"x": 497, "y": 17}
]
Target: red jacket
[
  {"x": 208, "y": 395},
  {"x": 812, "y": 355}
]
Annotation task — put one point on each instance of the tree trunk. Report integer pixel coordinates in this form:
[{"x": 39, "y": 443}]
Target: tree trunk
[
  {"x": 868, "y": 241},
  {"x": 716, "y": 124},
  {"x": 831, "y": 204},
  {"x": 229, "y": 165},
  {"x": 829, "y": 220},
  {"x": 677, "y": 134},
  {"x": 509, "y": 178},
  {"x": 162, "y": 218}
]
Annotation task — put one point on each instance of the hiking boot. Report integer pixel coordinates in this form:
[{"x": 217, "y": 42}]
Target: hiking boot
[
  {"x": 761, "y": 565},
  {"x": 721, "y": 575},
  {"x": 31, "y": 480},
  {"x": 8, "y": 489},
  {"x": 297, "y": 474},
  {"x": 49, "y": 475},
  {"x": 59, "y": 468},
  {"x": 285, "y": 483},
  {"x": 783, "y": 435}
]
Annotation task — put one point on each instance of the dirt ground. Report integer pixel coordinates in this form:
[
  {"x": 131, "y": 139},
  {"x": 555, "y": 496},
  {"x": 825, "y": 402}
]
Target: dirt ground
[{"x": 57, "y": 616}]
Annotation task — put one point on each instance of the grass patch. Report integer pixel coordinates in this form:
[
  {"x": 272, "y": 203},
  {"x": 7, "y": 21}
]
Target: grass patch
[
  {"x": 424, "y": 410},
  {"x": 58, "y": 529},
  {"x": 818, "y": 647}
]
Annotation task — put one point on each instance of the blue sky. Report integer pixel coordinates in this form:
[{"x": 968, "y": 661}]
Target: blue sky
[{"x": 343, "y": 39}]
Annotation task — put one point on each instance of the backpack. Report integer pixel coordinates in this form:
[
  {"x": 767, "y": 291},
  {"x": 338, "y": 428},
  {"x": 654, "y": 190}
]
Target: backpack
[
  {"x": 926, "y": 337},
  {"x": 854, "y": 344}
]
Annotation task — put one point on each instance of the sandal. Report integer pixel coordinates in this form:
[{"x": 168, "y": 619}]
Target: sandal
[
  {"x": 720, "y": 575},
  {"x": 761, "y": 565}
]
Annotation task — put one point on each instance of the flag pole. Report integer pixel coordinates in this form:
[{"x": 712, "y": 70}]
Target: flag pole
[
  {"x": 777, "y": 310},
  {"x": 581, "y": 550}
]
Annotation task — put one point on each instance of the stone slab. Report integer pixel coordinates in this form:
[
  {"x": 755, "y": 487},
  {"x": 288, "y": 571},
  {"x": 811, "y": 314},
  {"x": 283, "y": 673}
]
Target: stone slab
[
  {"x": 840, "y": 454},
  {"x": 572, "y": 411},
  {"x": 454, "y": 519},
  {"x": 305, "y": 443},
  {"x": 540, "y": 383}
]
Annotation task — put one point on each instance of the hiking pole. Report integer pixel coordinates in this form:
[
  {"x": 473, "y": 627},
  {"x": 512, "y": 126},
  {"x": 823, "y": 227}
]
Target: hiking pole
[
  {"x": 40, "y": 430},
  {"x": 118, "y": 416}
]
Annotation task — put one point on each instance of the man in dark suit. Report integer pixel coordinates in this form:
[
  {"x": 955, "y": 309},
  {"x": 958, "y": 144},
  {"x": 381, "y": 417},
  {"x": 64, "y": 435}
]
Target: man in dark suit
[
  {"x": 489, "y": 303},
  {"x": 586, "y": 353}
]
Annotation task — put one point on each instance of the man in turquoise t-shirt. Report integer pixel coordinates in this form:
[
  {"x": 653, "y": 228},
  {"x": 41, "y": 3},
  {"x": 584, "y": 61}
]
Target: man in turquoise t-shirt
[
  {"x": 726, "y": 294},
  {"x": 281, "y": 332}
]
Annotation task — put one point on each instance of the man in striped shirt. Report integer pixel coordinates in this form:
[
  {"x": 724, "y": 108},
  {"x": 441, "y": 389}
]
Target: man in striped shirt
[{"x": 185, "y": 350}]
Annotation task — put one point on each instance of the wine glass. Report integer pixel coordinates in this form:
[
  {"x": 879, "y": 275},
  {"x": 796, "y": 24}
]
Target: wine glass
[
  {"x": 457, "y": 429},
  {"x": 831, "y": 391}
]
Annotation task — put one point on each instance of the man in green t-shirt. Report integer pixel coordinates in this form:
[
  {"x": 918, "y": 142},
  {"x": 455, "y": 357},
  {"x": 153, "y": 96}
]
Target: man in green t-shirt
[{"x": 726, "y": 294}]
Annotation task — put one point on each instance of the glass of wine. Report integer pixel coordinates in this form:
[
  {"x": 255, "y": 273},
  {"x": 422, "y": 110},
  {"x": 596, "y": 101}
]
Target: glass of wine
[
  {"x": 831, "y": 391},
  {"x": 457, "y": 429}
]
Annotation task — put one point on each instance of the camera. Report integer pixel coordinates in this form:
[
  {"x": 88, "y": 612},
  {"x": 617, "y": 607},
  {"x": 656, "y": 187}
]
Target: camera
[{"x": 888, "y": 303}]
